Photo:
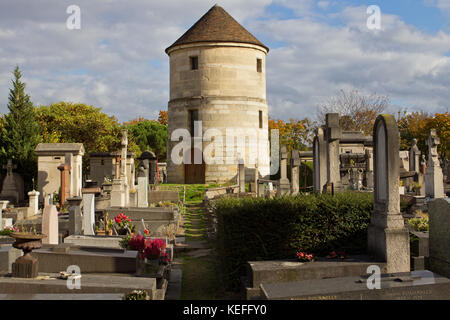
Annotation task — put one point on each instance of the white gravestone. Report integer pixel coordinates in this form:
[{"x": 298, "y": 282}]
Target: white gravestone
[
  {"x": 142, "y": 191},
  {"x": 89, "y": 214},
  {"x": 50, "y": 226}
]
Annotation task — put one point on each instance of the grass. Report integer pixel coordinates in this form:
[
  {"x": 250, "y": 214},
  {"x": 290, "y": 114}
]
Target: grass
[
  {"x": 201, "y": 280},
  {"x": 194, "y": 192},
  {"x": 194, "y": 223}
]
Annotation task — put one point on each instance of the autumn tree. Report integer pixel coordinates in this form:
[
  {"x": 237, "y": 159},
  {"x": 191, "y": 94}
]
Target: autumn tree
[
  {"x": 20, "y": 131},
  {"x": 163, "y": 117},
  {"x": 418, "y": 125},
  {"x": 295, "y": 134},
  {"x": 358, "y": 112}
]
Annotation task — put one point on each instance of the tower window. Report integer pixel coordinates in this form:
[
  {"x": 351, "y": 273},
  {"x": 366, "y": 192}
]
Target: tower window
[
  {"x": 194, "y": 63},
  {"x": 260, "y": 119},
  {"x": 259, "y": 65}
]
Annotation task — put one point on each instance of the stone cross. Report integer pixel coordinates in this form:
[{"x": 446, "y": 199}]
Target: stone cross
[
  {"x": 9, "y": 167},
  {"x": 388, "y": 239},
  {"x": 333, "y": 135},
  {"x": 434, "y": 179},
  {"x": 320, "y": 161},
  {"x": 295, "y": 168},
  {"x": 284, "y": 186}
]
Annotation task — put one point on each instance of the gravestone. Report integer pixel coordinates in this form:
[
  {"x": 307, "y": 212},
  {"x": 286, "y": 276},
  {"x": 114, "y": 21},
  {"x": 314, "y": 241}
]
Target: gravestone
[
  {"x": 284, "y": 186},
  {"x": 33, "y": 206},
  {"x": 142, "y": 192},
  {"x": 89, "y": 211},
  {"x": 117, "y": 194},
  {"x": 3, "y": 205},
  {"x": 254, "y": 187},
  {"x": 241, "y": 176},
  {"x": 320, "y": 161},
  {"x": 150, "y": 163},
  {"x": 369, "y": 169},
  {"x": 295, "y": 168},
  {"x": 75, "y": 216},
  {"x": 333, "y": 135},
  {"x": 50, "y": 226},
  {"x": 48, "y": 200},
  {"x": 434, "y": 179},
  {"x": 123, "y": 167},
  {"x": 12, "y": 187},
  {"x": 439, "y": 234},
  {"x": 414, "y": 157},
  {"x": 388, "y": 239},
  {"x": 65, "y": 182}
]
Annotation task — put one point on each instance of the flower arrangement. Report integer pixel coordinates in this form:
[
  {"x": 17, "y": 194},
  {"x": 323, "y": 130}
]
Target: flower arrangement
[
  {"x": 123, "y": 223},
  {"x": 148, "y": 248},
  {"x": 304, "y": 257},
  {"x": 8, "y": 230},
  {"x": 154, "y": 248}
]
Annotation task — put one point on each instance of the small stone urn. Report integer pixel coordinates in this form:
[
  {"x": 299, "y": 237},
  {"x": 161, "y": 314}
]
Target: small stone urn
[{"x": 26, "y": 266}]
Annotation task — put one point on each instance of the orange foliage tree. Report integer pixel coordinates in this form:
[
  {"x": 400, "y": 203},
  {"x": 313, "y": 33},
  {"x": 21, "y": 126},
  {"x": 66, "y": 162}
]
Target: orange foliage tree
[
  {"x": 418, "y": 125},
  {"x": 295, "y": 134},
  {"x": 163, "y": 117}
]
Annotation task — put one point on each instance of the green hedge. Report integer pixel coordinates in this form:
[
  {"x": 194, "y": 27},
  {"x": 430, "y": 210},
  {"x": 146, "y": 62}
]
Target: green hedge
[{"x": 252, "y": 229}]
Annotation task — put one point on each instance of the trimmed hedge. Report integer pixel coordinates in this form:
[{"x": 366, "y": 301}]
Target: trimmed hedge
[{"x": 251, "y": 229}]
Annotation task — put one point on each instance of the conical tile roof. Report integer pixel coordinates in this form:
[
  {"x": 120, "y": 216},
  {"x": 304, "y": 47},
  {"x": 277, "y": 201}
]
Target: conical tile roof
[{"x": 217, "y": 25}]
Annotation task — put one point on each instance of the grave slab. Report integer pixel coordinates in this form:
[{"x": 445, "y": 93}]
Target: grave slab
[
  {"x": 90, "y": 284},
  {"x": 415, "y": 285}
]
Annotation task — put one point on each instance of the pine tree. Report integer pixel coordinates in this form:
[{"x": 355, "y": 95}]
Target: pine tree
[{"x": 20, "y": 132}]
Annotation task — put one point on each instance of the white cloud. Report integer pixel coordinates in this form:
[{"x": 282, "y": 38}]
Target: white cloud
[{"x": 117, "y": 60}]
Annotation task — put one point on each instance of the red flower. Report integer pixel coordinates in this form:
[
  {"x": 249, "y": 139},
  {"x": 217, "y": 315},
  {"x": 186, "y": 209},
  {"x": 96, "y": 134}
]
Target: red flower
[{"x": 137, "y": 243}]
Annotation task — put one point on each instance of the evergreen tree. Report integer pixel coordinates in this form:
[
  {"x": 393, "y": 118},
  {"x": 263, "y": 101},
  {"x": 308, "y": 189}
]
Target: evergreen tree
[{"x": 20, "y": 132}]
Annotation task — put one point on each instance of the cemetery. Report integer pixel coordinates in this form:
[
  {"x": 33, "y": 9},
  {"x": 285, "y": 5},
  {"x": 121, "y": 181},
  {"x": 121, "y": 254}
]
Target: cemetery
[{"x": 350, "y": 215}]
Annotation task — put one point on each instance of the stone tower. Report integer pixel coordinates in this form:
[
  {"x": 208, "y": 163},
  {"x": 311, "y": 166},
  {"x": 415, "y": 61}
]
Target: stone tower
[{"x": 218, "y": 78}]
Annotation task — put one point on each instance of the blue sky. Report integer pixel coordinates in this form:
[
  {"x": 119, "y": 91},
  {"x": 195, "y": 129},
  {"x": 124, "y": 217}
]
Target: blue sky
[{"x": 117, "y": 60}]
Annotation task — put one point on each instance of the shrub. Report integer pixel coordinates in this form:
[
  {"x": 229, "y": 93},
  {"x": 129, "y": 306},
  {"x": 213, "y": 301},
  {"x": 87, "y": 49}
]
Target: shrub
[
  {"x": 419, "y": 224},
  {"x": 250, "y": 229}
]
